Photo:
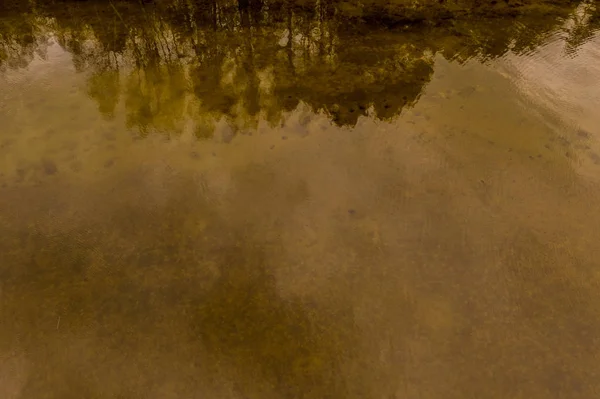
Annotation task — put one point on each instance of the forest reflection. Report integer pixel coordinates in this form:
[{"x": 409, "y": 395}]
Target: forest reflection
[{"x": 187, "y": 65}]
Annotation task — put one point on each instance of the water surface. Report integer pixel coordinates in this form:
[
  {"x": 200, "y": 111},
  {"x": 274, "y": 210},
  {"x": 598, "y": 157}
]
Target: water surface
[{"x": 222, "y": 202}]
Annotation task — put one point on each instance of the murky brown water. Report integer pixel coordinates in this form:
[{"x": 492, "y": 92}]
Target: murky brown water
[{"x": 202, "y": 202}]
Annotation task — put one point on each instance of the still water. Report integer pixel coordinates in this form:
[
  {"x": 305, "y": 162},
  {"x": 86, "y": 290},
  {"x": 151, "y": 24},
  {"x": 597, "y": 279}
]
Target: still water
[{"x": 208, "y": 202}]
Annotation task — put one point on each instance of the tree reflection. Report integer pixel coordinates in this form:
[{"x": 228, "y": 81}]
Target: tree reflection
[
  {"x": 22, "y": 37},
  {"x": 182, "y": 63},
  {"x": 585, "y": 23}
]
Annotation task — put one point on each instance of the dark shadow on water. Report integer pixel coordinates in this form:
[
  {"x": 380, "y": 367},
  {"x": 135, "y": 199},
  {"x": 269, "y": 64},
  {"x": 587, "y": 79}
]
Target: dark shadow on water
[
  {"x": 295, "y": 348},
  {"x": 150, "y": 292}
]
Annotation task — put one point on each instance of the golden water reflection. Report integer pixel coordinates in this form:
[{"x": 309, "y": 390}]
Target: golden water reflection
[{"x": 199, "y": 213}]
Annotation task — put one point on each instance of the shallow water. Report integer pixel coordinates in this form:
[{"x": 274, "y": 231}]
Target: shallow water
[{"x": 214, "y": 203}]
